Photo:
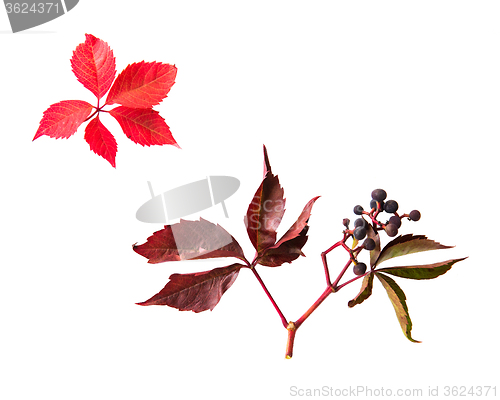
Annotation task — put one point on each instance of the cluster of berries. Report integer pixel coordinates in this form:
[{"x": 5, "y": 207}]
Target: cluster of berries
[{"x": 377, "y": 205}]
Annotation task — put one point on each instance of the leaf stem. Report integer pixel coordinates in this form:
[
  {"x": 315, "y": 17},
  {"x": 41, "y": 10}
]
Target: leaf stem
[
  {"x": 283, "y": 319},
  {"x": 91, "y": 115}
]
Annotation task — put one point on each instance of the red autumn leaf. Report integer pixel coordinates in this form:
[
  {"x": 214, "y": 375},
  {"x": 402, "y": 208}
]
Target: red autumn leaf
[
  {"x": 267, "y": 165},
  {"x": 289, "y": 247},
  {"x": 139, "y": 87},
  {"x": 61, "y": 120},
  {"x": 189, "y": 240},
  {"x": 300, "y": 224},
  {"x": 285, "y": 252},
  {"x": 196, "y": 292},
  {"x": 94, "y": 65},
  {"x": 144, "y": 126},
  {"x": 142, "y": 85},
  {"x": 265, "y": 210},
  {"x": 101, "y": 141}
]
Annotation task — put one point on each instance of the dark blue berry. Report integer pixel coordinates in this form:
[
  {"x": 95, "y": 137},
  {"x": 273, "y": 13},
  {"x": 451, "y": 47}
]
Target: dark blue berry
[
  {"x": 391, "y": 206},
  {"x": 358, "y": 210},
  {"x": 395, "y": 220},
  {"x": 360, "y": 222},
  {"x": 415, "y": 215},
  {"x": 379, "y": 195},
  {"x": 369, "y": 244},
  {"x": 359, "y": 268},
  {"x": 359, "y": 233},
  {"x": 391, "y": 230}
]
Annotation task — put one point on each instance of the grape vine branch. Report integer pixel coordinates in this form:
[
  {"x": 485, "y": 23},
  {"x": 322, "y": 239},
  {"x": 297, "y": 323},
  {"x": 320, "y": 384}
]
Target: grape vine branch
[{"x": 191, "y": 240}]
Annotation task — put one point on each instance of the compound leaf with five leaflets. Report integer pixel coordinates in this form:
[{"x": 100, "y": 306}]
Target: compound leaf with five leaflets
[{"x": 137, "y": 89}]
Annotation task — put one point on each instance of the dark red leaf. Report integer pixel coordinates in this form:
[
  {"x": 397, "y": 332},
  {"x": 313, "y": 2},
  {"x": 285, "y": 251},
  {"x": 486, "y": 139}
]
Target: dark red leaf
[
  {"x": 300, "y": 224},
  {"x": 144, "y": 126},
  {"x": 408, "y": 244},
  {"x": 101, "y": 140},
  {"x": 398, "y": 300},
  {"x": 196, "y": 292},
  {"x": 61, "y": 120},
  {"x": 285, "y": 252},
  {"x": 289, "y": 247},
  {"x": 365, "y": 292},
  {"x": 265, "y": 211},
  {"x": 142, "y": 85},
  {"x": 267, "y": 165},
  {"x": 189, "y": 240},
  {"x": 429, "y": 271},
  {"x": 94, "y": 65}
]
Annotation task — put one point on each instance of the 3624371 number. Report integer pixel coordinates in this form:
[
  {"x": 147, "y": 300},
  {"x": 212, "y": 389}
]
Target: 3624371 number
[
  {"x": 35, "y": 8},
  {"x": 470, "y": 391}
]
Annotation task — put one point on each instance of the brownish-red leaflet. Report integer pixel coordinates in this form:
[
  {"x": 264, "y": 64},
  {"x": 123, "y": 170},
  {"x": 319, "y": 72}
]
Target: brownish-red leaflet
[{"x": 196, "y": 292}]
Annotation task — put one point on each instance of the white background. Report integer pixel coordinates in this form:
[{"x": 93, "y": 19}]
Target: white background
[{"x": 347, "y": 96}]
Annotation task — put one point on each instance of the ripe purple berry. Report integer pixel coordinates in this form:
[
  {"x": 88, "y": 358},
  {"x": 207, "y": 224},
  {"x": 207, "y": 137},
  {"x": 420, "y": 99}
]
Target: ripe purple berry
[
  {"x": 359, "y": 233},
  {"x": 359, "y": 268},
  {"x": 391, "y": 206},
  {"x": 379, "y": 195},
  {"x": 395, "y": 220},
  {"x": 358, "y": 210},
  {"x": 415, "y": 215},
  {"x": 369, "y": 244},
  {"x": 360, "y": 222},
  {"x": 391, "y": 230}
]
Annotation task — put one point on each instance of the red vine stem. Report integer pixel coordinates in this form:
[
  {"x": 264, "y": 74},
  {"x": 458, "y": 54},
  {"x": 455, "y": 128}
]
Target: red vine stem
[
  {"x": 334, "y": 287},
  {"x": 283, "y": 319}
]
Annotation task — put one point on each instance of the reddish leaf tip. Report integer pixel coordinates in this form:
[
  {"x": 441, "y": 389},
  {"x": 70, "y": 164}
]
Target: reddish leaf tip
[{"x": 267, "y": 165}]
